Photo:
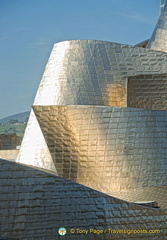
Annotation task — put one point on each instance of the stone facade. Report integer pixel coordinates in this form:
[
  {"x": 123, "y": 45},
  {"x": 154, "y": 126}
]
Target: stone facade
[{"x": 9, "y": 141}]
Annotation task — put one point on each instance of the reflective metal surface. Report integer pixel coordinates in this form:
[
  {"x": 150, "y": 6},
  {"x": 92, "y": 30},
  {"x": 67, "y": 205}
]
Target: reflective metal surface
[
  {"x": 158, "y": 194},
  {"x": 162, "y": 4},
  {"x": 35, "y": 204},
  {"x": 99, "y": 119},
  {"x": 147, "y": 91},
  {"x": 158, "y": 40},
  {"x": 86, "y": 72},
  {"x": 126, "y": 147}
]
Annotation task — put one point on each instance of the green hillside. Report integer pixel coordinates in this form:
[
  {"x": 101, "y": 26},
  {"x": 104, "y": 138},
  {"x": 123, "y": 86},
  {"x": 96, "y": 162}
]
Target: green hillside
[
  {"x": 20, "y": 117},
  {"x": 11, "y": 128},
  {"x": 14, "y": 124}
]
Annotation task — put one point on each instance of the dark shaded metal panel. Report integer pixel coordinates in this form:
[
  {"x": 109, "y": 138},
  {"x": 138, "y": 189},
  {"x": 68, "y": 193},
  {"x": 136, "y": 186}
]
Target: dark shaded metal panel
[
  {"x": 142, "y": 44},
  {"x": 147, "y": 91},
  {"x": 35, "y": 204}
]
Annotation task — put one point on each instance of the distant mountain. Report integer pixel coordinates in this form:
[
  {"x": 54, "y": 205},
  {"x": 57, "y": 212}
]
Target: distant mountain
[{"x": 20, "y": 117}]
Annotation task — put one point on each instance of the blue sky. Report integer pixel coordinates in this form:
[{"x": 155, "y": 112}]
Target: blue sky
[{"x": 29, "y": 28}]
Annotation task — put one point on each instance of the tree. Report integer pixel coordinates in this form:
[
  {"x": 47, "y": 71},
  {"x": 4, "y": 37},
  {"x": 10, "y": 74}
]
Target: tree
[{"x": 12, "y": 121}]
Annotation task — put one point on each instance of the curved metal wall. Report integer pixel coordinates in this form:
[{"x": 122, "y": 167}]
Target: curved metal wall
[
  {"x": 86, "y": 133},
  {"x": 90, "y": 72},
  {"x": 158, "y": 40},
  {"x": 85, "y": 72},
  {"x": 126, "y": 147},
  {"x": 40, "y": 203},
  {"x": 85, "y": 126}
]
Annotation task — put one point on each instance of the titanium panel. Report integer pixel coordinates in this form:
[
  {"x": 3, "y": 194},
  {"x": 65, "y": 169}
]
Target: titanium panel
[
  {"x": 126, "y": 147},
  {"x": 158, "y": 40},
  {"x": 162, "y": 4},
  {"x": 151, "y": 194},
  {"x": 34, "y": 150},
  {"x": 35, "y": 204},
  {"x": 88, "y": 132},
  {"x": 86, "y": 72},
  {"x": 147, "y": 91}
]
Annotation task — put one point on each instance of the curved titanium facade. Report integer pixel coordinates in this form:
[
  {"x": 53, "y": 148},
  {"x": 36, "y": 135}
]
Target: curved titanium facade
[
  {"x": 162, "y": 4},
  {"x": 41, "y": 203},
  {"x": 158, "y": 40},
  {"x": 98, "y": 121},
  {"x": 126, "y": 147},
  {"x": 86, "y": 72}
]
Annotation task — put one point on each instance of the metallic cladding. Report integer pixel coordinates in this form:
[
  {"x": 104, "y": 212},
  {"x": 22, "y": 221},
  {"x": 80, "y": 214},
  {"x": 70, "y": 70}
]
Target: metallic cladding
[
  {"x": 147, "y": 91},
  {"x": 90, "y": 72},
  {"x": 99, "y": 119},
  {"x": 158, "y": 40},
  {"x": 35, "y": 203},
  {"x": 126, "y": 147},
  {"x": 86, "y": 72}
]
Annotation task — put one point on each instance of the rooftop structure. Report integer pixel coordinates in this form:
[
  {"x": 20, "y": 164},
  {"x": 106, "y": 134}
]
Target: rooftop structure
[
  {"x": 9, "y": 141},
  {"x": 162, "y": 4}
]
